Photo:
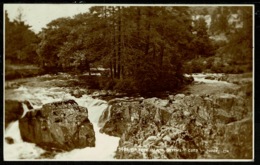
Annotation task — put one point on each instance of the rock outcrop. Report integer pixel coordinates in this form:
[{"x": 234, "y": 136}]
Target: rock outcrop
[
  {"x": 14, "y": 110},
  {"x": 232, "y": 141},
  {"x": 60, "y": 125},
  {"x": 123, "y": 113},
  {"x": 181, "y": 127}
]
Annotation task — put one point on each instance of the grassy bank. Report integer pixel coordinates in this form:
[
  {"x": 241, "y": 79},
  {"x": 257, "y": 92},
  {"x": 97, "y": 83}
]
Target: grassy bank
[{"x": 21, "y": 71}]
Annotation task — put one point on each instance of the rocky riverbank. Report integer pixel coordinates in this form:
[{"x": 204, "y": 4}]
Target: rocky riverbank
[
  {"x": 182, "y": 126},
  {"x": 208, "y": 120}
]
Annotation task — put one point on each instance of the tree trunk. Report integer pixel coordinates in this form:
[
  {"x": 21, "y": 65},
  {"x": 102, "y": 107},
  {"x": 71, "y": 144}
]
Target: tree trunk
[
  {"x": 123, "y": 54},
  {"x": 137, "y": 58},
  {"x": 111, "y": 70},
  {"x": 138, "y": 21},
  {"x": 114, "y": 43},
  {"x": 119, "y": 43},
  {"x": 147, "y": 45},
  {"x": 154, "y": 51},
  {"x": 161, "y": 56}
]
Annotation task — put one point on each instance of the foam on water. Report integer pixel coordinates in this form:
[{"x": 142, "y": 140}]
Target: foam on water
[
  {"x": 25, "y": 109},
  {"x": 105, "y": 145},
  {"x": 200, "y": 77},
  {"x": 11, "y": 131},
  {"x": 20, "y": 149},
  {"x": 104, "y": 150}
]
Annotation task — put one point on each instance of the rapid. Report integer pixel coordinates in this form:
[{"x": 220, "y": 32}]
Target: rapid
[{"x": 39, "y": 95}]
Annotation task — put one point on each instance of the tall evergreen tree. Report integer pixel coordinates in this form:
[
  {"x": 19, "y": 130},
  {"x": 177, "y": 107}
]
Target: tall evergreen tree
[{"x": 202, "y": 44}]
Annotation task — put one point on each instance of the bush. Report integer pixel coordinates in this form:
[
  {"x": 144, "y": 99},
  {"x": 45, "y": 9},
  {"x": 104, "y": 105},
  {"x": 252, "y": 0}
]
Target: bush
[
  {"x": 231, "y": 69},
  {"x": 216, "y": 69},
  {"x": 11, "y": 74},
  {"x": 195, "y": 66},
  {"x": 209, "y": 63},
  {"x": 106, "y": 83},
  {"x": 219, "y": 44},
  {"x": 93, "y": 82},
  {"x": 126, "y": 85}
]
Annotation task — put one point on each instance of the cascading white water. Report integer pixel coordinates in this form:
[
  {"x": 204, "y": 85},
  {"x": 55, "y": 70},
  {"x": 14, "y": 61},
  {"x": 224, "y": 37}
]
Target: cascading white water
[
  {"x": 105, "y": 145},
  {"x": 200, "y": 77},
  {"x": 25, "y": 109}
]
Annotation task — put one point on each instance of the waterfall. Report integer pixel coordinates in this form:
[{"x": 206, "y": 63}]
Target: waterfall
[
  {"x": 11, "y": 131},
  {"x": 25, "y": 109},
  {"x": 105, "y": 145}
]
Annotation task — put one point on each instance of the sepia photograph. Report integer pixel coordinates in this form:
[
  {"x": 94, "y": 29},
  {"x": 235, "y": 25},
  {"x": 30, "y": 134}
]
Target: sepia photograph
[{"x": 128, "y": 82}]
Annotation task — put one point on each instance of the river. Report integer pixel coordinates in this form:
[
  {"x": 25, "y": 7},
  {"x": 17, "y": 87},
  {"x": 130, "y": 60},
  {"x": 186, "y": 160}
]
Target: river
[
  {"x": 105, "y": 145},
  {"x": 38, "y": 92}
]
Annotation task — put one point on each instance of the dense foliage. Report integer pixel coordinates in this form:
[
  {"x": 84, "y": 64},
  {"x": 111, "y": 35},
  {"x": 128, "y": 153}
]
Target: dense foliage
[
  {"x": 20, "y": 42},
  {"x": 232, "y": 32},
  {"x": 143, "y": 49}
]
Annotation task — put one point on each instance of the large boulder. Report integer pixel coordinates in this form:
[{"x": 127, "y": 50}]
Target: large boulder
[
  {"x": 124, "y": 113},
  {"x": 61, "y": 125}
]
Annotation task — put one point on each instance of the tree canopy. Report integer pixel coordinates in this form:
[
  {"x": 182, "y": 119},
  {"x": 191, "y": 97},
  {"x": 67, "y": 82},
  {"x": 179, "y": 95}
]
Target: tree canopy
[
  {"x": 20, "y": 41},
  {"x": 143, "y": 47}
]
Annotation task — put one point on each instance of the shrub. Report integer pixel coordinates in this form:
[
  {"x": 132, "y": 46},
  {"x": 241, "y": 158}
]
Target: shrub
[
  {"x": 216, "y": 69},
  {"x": 188, "y": 68},
  {"x": 219, "y": 44},
  {"x": 92, "y": 82},
  {"x": 209, "y": 63},
  {"x": 195, "y": 66},
  {"x": 106, "y": 83},
  {"x": 126, "y": 85},
  {"x": 231, "y": 69},
  {"x": 11, "y": 74}
]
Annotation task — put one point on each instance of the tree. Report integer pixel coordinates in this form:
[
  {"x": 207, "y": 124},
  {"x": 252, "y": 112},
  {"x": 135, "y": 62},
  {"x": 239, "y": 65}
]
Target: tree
[
  {"x": 219, "y": 20},
  {"x": 52, "y": 39},
  {"x": 20, "y": 41},
  {"x": 144, "y": 47},
  {"x": 202, "y": 44},
  {"x": 242, "y": 36}
]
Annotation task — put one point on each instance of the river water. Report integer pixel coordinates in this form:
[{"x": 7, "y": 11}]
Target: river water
[
  {"x": 105, "y": 145},
  {"x": 201, "y": 77},
  {"x": 38, "y": 93}
]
